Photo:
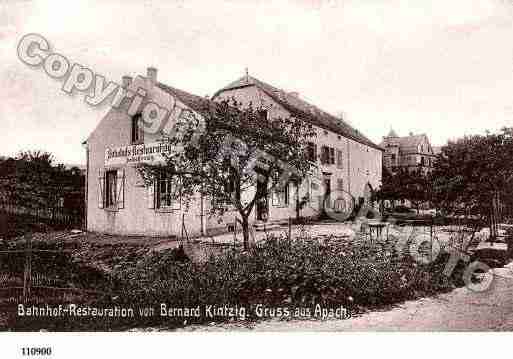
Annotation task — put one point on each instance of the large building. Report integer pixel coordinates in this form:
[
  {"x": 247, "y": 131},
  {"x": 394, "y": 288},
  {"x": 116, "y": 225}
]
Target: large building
[
  {"x": 407, "y": 152},
  {"x": 120, "y": 202}
]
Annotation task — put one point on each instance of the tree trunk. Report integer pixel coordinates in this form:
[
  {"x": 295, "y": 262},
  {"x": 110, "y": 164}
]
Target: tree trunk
[
  {"x": 245, "y": 231},
  {"x": 298, "y": 209}
]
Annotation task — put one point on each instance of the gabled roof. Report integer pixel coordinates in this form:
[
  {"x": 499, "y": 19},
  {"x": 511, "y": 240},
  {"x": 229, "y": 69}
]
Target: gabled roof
[
  {"x": 407, "y": 144},
  {"x": 195, "y": 102},
  {"x": 302, "y": 109}
]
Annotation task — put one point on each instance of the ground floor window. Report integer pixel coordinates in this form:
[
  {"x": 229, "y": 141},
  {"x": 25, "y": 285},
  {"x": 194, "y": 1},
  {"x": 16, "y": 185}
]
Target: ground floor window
[
  {"x": 281, "y": 196},
  {"x": 110, "y": 188},
  {"x": 168, "y": 193}
]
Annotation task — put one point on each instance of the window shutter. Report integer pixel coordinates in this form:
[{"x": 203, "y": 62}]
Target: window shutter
[
  {"x": 101, "y": 187},
  {"x": 324, "y": 154},
  {"x": 120, "y": 190},
  {"x": 312, "y": 151},
  {"x": 140, "y": 128},
  {"x": 151, "y": 195}
]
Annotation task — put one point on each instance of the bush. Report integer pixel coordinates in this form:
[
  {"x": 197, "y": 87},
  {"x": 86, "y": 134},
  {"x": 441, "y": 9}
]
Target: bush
[{"x": 281, "y": 272}]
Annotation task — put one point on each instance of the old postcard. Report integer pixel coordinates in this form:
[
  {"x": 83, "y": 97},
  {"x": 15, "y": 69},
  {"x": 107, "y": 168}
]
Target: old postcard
[{"x": 255, "y": 166}]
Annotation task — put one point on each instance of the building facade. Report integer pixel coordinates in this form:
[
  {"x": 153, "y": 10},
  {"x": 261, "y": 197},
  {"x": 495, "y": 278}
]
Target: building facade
[
  {"x": 120, "y": 202},
  {"x": 347, "y": 160},
  {"x": 410, "y": 152}
]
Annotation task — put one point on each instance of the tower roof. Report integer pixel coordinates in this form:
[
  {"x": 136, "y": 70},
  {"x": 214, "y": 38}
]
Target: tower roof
[{"x": 392, "y": 133}]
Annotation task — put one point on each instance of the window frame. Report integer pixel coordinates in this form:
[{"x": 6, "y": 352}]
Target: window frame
[
  {"x": 175, "y": 203},
  {"x": 278, "y": 195},
  {"x": 340, "y": 159},
  {"x": 311, "y": 149},
  {"x": 327, "y": 155},
  {"x": 136, "y": 132},
  {"x": 110, "y": 189}
]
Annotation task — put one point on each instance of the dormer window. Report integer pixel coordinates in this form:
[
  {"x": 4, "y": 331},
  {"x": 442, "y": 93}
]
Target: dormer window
[{"x": 137, "y": 129}]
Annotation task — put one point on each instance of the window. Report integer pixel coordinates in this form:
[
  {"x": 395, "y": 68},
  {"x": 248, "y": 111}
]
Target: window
[
  {"x": 137, "y": 129},
  {"x": 168, "y": 193},
  {"x": 327, "y": 155},
  {"x": 324, "y": 154},
  {"x": 311, "y": 149},
  {"x": 110, "y": 188},
  {"x": 339, "y": 159},
  {"x": 281, "y": 196},
  {"x": 393, "y": 158}
]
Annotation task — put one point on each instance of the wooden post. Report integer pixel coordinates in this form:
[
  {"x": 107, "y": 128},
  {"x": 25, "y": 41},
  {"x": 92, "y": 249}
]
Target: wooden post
[
  {"x": 431, "y": 238},
  {"x": 290, "y": 229},
  {"x": 27, "y": 277},
  {"x": 202, "y": 215},
  {"x": 181, "y": 235},
  {"x": 234, "y": 231},
  {"x": 184, "y": 230}
]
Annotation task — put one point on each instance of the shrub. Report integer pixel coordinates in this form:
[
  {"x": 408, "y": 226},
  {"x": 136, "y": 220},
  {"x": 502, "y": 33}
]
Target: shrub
[{"x": 281, "y": 272}]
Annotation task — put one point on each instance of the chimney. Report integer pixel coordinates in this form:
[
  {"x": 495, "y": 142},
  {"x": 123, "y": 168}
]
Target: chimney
[
  {"x": 152, "y": 75},
  {"x": 294, "y": 94},
  {"x": 126, "y": 81}
]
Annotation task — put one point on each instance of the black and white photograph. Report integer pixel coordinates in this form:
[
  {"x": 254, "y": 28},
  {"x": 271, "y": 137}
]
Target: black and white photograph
[{"x": 296, "y": 166}]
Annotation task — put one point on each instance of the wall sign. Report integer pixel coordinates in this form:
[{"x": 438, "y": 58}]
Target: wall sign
[{"x": 150, "y": 153}]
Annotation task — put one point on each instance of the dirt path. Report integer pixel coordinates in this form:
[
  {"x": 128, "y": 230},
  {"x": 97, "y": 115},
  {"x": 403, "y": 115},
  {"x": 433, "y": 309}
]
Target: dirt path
[{"x": 459, "y": 310}]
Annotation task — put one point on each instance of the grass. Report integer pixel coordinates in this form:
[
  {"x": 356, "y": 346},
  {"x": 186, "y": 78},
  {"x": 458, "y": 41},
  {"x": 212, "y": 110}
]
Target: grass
[{"x": 298, "y": 273}]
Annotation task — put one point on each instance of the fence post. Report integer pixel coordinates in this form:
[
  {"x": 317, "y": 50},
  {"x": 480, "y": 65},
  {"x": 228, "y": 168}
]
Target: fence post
[
  {"x": 234, "y": 231},
  {"x": 27, "y": 277},
  {"x": 184, "y": 229}
]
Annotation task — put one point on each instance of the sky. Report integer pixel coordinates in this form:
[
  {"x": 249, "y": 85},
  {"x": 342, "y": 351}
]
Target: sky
[{"x": 440, "y": 67}]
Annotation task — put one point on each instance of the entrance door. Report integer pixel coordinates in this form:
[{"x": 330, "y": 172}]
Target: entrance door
[
  {"x": 326, "y": 197},
  {"x": 327, "y": 190}
]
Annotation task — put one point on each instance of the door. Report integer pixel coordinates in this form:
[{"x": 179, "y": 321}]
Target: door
[
  {"x": 326, "y": 202},
  {"x": 327, "y": 190}
]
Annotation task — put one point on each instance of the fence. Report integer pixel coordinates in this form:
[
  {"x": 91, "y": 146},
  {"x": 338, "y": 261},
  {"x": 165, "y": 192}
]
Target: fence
[
  {"x": 14, "y": 217},
  {"x": 27, "y": 285}
]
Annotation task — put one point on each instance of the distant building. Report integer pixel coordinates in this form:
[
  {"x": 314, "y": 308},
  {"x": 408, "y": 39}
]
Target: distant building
[{"x": 408, "y": 152}]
